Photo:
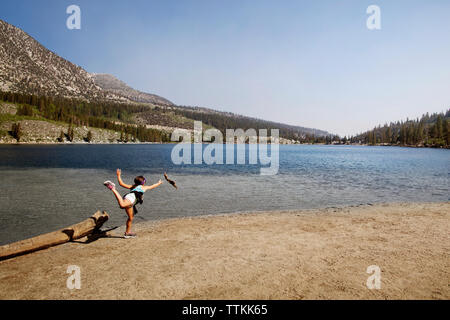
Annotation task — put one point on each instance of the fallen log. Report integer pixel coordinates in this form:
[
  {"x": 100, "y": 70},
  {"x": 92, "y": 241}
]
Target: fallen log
[{"x": 51, "y": 239}]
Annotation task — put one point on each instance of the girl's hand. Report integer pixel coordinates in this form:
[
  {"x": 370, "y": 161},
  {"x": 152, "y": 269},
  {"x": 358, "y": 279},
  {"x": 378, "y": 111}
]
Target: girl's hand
[
  {"x": 119, "y": 172},
  {"x": 160, "y": 181}
]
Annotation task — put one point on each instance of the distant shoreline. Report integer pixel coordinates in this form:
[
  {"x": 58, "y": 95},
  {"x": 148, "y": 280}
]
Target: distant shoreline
[{"x": 205, "y": 143}]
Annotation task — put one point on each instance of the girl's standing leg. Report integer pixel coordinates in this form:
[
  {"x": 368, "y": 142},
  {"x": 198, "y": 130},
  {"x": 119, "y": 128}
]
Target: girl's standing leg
[{"x": 130, "y": 213}]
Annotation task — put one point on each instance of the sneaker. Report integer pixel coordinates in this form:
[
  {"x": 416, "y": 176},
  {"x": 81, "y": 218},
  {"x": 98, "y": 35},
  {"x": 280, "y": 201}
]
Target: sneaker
[
  {"x": 129, "y": 235},
  {"x": 109, "y": 185}
]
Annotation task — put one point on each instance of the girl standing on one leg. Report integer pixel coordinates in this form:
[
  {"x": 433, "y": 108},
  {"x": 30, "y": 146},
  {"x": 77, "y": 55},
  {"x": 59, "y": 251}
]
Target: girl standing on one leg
[{"x": 129, "y": 201}]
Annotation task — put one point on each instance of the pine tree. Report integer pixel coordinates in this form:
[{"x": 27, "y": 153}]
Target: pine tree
[
  {"x": 41, "y": 105},
  {"x": 61, "y": 136},
  {"x": 410, "y": 134},
  {"x": 17, "y": 131},
  {"x": 373, "y": 139},
  {"x": 389, "y": 135},
  {"x": 419, "y": 133},
  {"x": 70, "y": 133},
  {"x": 403, "y": 135},
  {"x": 446, "y": 131},
  {"x": 439, "y": 127},
  {"x": 89, "y": 136}
]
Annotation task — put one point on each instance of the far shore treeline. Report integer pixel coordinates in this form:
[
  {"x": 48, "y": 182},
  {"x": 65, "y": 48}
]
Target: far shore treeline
[{"x": 428, "y": 131}]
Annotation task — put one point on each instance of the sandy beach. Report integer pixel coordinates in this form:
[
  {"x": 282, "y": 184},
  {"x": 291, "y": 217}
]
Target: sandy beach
[{"x": 310, "y": 254}]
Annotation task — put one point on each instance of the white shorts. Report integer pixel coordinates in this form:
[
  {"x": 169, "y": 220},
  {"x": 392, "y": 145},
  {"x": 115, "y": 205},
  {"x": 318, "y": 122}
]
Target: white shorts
[{"x": 131, "y": 197}]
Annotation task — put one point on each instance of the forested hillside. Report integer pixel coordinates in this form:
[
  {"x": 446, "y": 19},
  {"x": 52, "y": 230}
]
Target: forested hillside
[
  {"x": 104, "y": 115},
  {"x": 133, "y": 118},
  {"x": 227, "y": 120}
]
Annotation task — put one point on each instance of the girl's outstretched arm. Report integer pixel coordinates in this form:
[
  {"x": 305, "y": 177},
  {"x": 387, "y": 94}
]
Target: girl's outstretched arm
[
  {"x": 119, "y": 178},
  {"x": 146, "y": 188}
]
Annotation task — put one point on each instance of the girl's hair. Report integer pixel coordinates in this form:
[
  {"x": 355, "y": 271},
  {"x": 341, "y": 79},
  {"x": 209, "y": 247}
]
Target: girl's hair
[{"x": 138, "y": 181}]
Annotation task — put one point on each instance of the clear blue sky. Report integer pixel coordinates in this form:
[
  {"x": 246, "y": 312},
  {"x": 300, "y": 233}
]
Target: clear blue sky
[{"x": 309, "y": 63}]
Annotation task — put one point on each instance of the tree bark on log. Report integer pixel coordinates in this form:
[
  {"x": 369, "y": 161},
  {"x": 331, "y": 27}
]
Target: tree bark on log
[{"x": 51, "y": 239}]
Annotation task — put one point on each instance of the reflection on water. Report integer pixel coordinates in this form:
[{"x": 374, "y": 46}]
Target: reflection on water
[{"x": 49, "y": 187}]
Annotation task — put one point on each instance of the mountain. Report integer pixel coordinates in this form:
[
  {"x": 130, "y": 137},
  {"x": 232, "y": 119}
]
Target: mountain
[
  {"x": 111, "y": 84},
  {"x": 28, "y": 67},
  {"x": 31, "y": 74}
]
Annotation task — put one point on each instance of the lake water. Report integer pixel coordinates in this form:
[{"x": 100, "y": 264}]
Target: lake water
[{"x": 44, "y": 188}]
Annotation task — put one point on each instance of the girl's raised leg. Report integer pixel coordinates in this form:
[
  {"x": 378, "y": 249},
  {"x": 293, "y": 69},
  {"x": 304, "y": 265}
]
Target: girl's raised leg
[{"x": 122, "y": 203}]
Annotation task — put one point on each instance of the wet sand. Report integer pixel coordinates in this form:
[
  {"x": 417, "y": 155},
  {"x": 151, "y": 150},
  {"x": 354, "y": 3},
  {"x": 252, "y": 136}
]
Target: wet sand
[{"x": 309, "y": 254}]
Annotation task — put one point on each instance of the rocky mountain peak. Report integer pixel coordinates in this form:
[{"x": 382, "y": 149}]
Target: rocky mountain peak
[
  {"x": 28, "y": 67},
  {"x": 112, "y": 84}
]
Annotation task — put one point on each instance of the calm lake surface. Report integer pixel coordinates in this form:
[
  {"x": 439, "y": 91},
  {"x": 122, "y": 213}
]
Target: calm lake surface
[{"x": 44, "y": 188}]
